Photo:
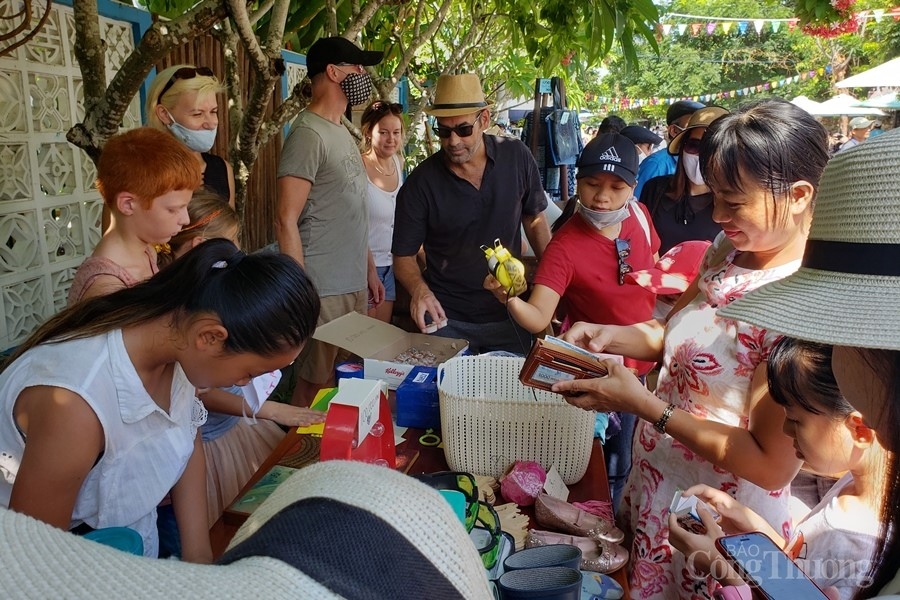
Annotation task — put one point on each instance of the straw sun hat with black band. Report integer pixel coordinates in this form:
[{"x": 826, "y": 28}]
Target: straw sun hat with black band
[
  {"x": 335, "y": 529},
  {"x": 847, "y": 290}
]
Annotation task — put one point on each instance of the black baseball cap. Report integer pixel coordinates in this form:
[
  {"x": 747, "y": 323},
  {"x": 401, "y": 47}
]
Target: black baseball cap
[
  {"x": 609, "y": 153},
  {"x": 680, "y": 108},
  {"x": 336, "y": 50},
  {"x": 640, "y": 135}
]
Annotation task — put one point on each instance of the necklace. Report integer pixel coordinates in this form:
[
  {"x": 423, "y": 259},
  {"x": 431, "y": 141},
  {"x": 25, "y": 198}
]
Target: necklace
[{"x": 375, "y": 164}]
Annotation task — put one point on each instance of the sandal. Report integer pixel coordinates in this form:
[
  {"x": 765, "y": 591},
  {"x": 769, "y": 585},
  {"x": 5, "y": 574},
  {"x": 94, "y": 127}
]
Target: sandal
[
  {"x": 559, "y": 515},
  {"x": 598, "y": 556}
]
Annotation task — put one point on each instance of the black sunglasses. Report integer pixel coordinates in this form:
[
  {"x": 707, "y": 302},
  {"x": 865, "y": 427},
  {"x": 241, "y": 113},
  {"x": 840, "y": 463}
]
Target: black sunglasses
[
  {"x": 623, "y": 251},
  {"x": 185, "y": 73},
  {"x": 691, "y": 146},
  {"x": 463, "y": 130},
  {"x": 380, "y": 106}
]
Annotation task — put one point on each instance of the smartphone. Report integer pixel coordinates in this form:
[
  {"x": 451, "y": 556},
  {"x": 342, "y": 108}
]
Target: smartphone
[{"x": 765, "y": 567}]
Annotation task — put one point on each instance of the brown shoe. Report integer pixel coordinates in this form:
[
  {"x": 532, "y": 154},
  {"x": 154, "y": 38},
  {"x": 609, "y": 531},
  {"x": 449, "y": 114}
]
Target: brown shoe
[
  {"x": 599, "y": 556},
  {"x": 559, "y": 515}
]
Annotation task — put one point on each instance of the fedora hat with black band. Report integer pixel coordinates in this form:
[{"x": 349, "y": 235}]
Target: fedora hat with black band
[
  {"x": 847, "y": 289},
  {"x": 456, "y": 95}
]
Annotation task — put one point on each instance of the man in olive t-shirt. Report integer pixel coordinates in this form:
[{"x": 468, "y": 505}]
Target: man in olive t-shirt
[{"x": 321, "y": 217}]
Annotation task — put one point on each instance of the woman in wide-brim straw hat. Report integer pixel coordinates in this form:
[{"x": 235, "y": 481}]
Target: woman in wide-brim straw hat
[{"x": 847, "y": 293}]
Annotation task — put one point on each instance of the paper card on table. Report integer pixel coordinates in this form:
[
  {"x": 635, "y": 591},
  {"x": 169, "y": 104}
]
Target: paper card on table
[
  {"x": 316, "y": 429},
  {"x": 323, "y": 398},
  {"x": 554, "y": 485},
  {"x": 398, "y": 433}
]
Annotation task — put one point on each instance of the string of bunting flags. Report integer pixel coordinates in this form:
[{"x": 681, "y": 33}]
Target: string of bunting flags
[
  {"x": 742, "y": 26},
  {"x": 625, "y": 103}
]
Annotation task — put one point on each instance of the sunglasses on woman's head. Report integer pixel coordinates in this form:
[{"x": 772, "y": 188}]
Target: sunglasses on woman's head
[
  {"x": 185, "y": 73},
  {"x": 383, "y": 107}
]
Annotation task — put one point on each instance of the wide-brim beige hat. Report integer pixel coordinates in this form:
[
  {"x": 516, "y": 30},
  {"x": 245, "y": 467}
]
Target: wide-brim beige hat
[
  {"x": 847, "y": 290},
  {"x": 702, "y": 118},
  {"x": 311, "y": 538},
  {"x": 456, "y": 95}
]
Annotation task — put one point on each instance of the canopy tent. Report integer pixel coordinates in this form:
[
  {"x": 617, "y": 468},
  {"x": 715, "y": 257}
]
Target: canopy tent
[
  {"x": 884, "y": 75},
  {"x": 889, "y": 101},
  {"x": 806, "y": 104},
  {"x": 843, "y": 105}
]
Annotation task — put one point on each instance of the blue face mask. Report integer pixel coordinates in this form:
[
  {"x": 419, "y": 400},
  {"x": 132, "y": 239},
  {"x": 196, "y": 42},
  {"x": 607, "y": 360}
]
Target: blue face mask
[{"x": 198, "y": 140}]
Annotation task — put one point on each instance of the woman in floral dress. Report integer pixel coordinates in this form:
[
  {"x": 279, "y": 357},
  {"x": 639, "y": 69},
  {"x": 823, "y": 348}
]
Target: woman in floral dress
[{"x": 711, "y": 419}]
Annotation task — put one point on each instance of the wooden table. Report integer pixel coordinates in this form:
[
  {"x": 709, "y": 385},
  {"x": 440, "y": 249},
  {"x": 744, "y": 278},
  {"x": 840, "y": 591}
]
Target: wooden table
[{"x": 593, "y": 486}]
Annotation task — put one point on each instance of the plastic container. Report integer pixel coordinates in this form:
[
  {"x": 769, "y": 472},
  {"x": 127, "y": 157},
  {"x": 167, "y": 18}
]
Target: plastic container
[
  {"x": 120, "y": 538},
  {"x": 546, "y": 583},
  {"x": 348, "y": 370},
  {"x": 417, "y": 399},
  {"x": 554, "y": 555},
  {"x": 490, "y": 420}
]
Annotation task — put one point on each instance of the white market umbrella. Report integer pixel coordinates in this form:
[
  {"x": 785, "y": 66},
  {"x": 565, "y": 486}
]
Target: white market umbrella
[
  {"x": 888, "y": 101},
  {"x": 806, "y": 104},
  {"x": 843, "y": 105},
  {"x": 884, "y": 75}
]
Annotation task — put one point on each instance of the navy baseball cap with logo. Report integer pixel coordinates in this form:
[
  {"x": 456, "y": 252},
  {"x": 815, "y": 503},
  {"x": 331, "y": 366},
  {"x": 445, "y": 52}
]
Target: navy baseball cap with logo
[{"x": 609, "y": 153}]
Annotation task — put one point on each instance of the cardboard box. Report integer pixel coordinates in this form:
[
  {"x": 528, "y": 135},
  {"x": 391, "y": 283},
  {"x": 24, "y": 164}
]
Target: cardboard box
[
  {"x": 418, "y": 403},
  {"x": 378, "y": 343}
]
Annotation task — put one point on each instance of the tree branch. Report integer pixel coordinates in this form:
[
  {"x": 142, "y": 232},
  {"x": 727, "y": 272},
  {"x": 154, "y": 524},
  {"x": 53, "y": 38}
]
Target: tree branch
[
  {"x": 260, "y": 12},
  {"x": 331, "y": 17},
  {"x": 90, "y": 52},
  {"x": 361, "y": 18},
  {"x": 102, "y": 118},
  {"x": 237, "y": 10},
  {"x": 286, "y": 111}
]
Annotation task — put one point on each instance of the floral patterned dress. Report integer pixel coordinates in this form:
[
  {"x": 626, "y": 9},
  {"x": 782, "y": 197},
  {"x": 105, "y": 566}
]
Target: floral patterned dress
[{"x": 708, "y": 367}]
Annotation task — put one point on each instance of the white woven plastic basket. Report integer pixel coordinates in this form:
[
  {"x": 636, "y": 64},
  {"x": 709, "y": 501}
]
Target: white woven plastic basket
[{"x": 490, "y": 420}]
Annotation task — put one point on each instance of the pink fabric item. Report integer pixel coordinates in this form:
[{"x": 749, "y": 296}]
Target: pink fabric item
[
  {"x": 733, "y": 592},
  {"x": 601, "y": 508},
  {"x": 523, "y": 482}
]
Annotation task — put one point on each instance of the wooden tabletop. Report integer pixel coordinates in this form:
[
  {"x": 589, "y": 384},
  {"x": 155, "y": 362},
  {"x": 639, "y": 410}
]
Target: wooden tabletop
[{"x": 427, "y": 459}]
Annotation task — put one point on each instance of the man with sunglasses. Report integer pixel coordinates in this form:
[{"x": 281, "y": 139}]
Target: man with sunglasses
[
  {"x": 321, "y": 217},
  {"x": 662, "y": 163},
  {"x": 475, "y": 189}
]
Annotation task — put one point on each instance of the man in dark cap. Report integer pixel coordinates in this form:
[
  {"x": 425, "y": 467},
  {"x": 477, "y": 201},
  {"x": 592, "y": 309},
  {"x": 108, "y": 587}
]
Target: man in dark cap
[
  {"x": 662, "y": 163},
  {"x": 644, "y": 140},
  {"x": 321, "y": 217}
]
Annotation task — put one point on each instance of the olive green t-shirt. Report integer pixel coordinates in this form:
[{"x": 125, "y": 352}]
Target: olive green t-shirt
[{"x": 334, "y": 222}]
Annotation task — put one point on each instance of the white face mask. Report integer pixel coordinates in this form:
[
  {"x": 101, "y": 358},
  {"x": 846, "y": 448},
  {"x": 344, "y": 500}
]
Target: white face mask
[
  {"x": 692, "y": 168},
  {"x": 198, "y": 140},
  {"x": 604, "y": 218},
  {"x": 641, "y": 156}
]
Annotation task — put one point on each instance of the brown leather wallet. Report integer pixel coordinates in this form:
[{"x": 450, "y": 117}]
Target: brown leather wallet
[{"x": 550, "y": 362}]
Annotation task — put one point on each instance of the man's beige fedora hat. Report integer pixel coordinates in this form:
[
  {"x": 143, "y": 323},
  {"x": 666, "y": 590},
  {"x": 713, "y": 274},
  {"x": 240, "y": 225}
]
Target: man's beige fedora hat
[{"x": 456, "y": 95}]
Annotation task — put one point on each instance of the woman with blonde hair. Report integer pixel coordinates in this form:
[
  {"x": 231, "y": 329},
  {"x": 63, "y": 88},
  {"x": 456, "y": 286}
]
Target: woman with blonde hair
[{"x": 182, "y": 100}]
